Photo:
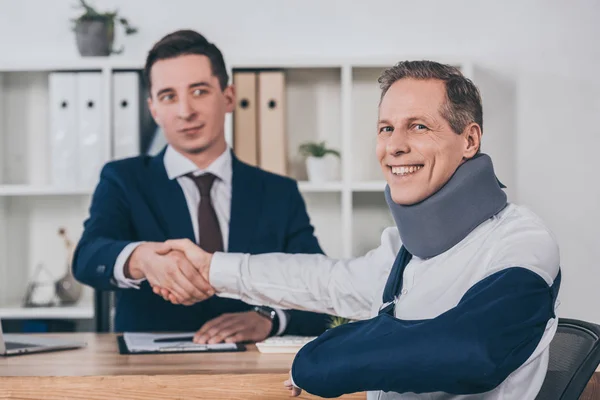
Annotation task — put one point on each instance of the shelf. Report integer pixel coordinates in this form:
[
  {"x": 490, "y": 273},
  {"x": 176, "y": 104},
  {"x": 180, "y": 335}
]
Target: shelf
[
  {"x": 370, "y": 217},
  {"x": 71, "y": 64},
  {"x": 313, "y": 113},
  {"x": 368, "y": 186},
  {"x": 82, "y": 311},
  {"x": 316, "y": 187},
  {"x": 120, "y": 63},
  {"x": 387, "y": 62},
  {"x": 325, "y": 212},
  {"x": 41, "y": 190}
]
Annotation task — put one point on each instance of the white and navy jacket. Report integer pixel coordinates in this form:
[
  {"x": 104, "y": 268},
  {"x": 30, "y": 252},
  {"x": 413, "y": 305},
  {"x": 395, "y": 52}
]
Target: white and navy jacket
[{"x": 474, "y": 322}]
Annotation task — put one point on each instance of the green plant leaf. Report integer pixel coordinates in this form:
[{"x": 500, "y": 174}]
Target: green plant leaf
[
  {"x": 334, "y": 152},
  {"x": 335, "y": 321},
  {"x": 316, "y": 149}
]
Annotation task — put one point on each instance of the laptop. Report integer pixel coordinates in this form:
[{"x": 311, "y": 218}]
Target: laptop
[{"x": 13, "y": 344}]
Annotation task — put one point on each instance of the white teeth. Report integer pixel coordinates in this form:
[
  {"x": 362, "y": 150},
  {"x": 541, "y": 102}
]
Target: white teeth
[{"x": 406, "y": 170}]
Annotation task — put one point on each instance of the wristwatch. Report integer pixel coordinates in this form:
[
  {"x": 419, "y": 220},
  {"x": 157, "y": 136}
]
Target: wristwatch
[{"x": 271, "y": 314}]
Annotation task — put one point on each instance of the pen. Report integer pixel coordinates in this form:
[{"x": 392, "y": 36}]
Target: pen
[{"x": 174, "y": 339}]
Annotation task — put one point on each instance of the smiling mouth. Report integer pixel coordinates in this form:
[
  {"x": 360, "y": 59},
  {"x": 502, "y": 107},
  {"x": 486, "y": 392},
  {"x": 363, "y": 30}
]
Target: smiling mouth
[{"x": 405, "y": 170}]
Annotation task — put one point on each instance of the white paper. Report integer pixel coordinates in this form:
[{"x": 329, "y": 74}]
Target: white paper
[{"x": 141, "y": 342}]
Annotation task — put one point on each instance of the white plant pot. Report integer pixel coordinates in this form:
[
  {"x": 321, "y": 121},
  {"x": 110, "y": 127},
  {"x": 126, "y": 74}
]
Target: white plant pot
[{"x": 323, "y": 169}]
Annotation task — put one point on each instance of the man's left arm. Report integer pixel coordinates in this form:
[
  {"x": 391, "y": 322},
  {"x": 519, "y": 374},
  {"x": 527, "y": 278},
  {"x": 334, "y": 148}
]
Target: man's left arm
[
  {"x": 300, "y": 239},
  {"x": 472, "y": 348}
]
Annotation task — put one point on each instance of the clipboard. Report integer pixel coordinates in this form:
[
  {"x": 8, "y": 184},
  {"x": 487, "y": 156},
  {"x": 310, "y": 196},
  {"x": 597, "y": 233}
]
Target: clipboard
[{"x": 124, "y": 350}]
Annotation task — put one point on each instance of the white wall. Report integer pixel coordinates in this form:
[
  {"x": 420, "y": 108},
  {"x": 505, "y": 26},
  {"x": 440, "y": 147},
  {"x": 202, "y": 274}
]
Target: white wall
[{"x": 546, "y": 52}]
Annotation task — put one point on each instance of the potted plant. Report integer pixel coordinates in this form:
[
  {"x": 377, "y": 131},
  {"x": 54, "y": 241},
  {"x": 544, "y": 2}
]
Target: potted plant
[
  {"x": 95, "y": 31},
  {"x": 335, "y": 321},
  {"x": 322, "y": 163}
]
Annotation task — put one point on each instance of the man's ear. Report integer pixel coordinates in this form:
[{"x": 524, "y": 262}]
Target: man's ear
[
  {"x": 152, "y": 110},
  {"x": 229, "y": 94},
  {"x": 472, "y": 135}
]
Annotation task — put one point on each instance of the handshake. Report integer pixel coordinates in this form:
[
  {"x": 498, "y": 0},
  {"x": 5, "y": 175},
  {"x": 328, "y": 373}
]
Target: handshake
[{"x": 177, "y": 270}]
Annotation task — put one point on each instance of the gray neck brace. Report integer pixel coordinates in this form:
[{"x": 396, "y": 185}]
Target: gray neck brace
[{"x": 472, "y": 195}]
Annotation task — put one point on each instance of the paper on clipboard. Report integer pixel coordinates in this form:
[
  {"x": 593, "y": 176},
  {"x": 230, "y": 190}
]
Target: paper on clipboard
[{"x": 145, "y": 342}]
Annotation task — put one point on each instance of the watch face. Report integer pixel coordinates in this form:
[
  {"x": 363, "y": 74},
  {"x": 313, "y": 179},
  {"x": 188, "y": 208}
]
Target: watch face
[
  {"x": 271, "y": 314},
  {"x": 266, "y": 312}
]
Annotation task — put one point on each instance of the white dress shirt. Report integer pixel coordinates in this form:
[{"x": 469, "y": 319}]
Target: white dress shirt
[
  {"x": 353, "y": 288},
  {"x": 177, "y": 166}
]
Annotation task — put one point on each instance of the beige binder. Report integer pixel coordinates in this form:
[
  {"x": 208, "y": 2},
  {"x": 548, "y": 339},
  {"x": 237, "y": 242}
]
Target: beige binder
[
  {"x": 271, "y": 122},
  {"x": 245, "y": 140}
]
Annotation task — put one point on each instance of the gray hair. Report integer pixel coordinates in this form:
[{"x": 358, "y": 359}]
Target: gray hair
[{"x": 463, "y": 105}]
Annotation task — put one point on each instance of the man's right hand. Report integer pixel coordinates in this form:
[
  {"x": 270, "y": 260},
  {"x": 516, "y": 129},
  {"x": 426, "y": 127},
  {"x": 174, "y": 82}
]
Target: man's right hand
[
  {"x": 169, "y": 269},
  {"x": 197, "y": 256}
]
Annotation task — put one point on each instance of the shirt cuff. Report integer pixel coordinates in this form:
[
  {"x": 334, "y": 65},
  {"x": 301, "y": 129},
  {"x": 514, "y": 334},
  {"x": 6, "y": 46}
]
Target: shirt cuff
[
  {"x": 225, "y": 272},
  {"x": 118, "y": 271},
  {"x": 292, "y": 380},
  {"x": 283, "y": 320},
  {"x": 224, "y": 276}
]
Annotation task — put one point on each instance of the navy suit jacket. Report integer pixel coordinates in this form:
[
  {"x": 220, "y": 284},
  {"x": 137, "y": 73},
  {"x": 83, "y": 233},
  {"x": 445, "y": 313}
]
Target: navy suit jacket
[{"x": 136, "y": 201}]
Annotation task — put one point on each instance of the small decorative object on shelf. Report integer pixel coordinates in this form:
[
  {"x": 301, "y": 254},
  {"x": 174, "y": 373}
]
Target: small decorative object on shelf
[
  {"x": 68, "y": 290},
  {"x": 95, "y": 31},
  {"x": 40, "y": 292},
  {"x": 322, "y": 163}
]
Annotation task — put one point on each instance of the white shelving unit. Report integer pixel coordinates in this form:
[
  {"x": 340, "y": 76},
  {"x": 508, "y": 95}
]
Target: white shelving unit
[
  {"x": 40, "y": 190},
  {"x": 332, "y": 100},
  {"x": 16, "y": 311}
]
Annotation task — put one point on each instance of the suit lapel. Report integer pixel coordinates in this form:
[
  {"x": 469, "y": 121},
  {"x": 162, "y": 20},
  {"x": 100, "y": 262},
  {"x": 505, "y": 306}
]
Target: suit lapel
[
  {"x": 246, "y": 200},
  {"x": 169, "y": 202}
]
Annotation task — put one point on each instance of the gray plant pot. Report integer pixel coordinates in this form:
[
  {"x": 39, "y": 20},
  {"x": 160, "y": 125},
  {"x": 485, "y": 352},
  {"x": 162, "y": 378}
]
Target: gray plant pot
[{"x": 94, "y": 37}]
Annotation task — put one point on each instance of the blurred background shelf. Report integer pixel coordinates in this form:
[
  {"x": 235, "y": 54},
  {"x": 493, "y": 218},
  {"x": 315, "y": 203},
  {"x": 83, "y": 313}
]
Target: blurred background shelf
[
  {"x": 16, "y": 311},
  {"x": 368, "y": 186},
  {"x": 311, "y": 187},
  {"x": 42, "y": 190}
]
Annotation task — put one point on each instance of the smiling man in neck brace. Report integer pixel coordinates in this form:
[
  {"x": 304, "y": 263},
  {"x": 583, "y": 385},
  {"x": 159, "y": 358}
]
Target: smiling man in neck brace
[{"x": 458, "y": 301}]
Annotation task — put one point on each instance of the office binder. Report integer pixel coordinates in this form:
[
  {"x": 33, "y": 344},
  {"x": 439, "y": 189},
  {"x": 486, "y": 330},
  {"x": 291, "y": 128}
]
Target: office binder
[
  {"x": 93, "y": 143},
  {"x": 245, "y": 140},
  {"x": 63, "y": 137},
  {"x": 126, "y": 115},
  {"x": 271, "y": 122}
]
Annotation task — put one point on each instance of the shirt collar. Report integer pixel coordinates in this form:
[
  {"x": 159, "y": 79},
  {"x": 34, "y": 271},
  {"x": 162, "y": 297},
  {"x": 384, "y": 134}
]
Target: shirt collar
[{"x": 176, "y": 165}]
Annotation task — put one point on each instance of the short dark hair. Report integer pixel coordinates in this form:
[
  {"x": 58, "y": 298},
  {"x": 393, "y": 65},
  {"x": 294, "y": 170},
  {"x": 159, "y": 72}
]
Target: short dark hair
[
  {"x": 185, "y": 42},
  {"x": 463, "y": 100}
]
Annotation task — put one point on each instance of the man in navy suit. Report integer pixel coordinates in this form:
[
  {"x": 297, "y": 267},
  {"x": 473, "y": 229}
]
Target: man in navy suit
[{"x": 197, "y": 189}]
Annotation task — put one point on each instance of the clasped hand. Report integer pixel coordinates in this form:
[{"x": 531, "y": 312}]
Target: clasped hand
[{"x": 177, "y": 270}]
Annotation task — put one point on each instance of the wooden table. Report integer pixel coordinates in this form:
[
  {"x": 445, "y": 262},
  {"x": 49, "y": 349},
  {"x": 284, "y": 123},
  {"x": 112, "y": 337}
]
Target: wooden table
[
  {"x": 592, "y": 390},
  {"x": 99, "y": 372}
]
